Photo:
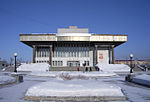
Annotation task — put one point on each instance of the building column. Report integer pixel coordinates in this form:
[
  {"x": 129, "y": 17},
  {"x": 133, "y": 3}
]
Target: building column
[
  {"x": 34, "y": 54},
  {"x": 96, "y": 53},
  {"x": 91, "y": 51},
  {"x": 109, "y": 49},
  {"x": 50, "y": 55},
  {"x": 113, "y": 60}
]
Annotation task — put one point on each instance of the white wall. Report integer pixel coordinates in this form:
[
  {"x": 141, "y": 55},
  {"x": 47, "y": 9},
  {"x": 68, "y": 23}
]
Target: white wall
[{"x": 103, "y": 56}]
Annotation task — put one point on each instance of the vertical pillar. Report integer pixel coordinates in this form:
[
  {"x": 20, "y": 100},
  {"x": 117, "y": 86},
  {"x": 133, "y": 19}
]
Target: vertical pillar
[
  {"x": 41, "y": 51},
  {"x": 77, "y": 50},
  {"x": 33, "y": 53},
  {"x": 91, "y": 51},
  {"x": 96, "y": 54},
  {"x": 113, "y": 60},
  {"x": 50, "y": 55},
  {"x": 66, "y": 47},
  {"x": 109, "y": 49}
]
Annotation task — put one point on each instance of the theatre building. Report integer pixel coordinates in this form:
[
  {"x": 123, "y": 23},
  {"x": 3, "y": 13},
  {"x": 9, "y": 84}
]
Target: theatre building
[{"x": 73, "y": 47}]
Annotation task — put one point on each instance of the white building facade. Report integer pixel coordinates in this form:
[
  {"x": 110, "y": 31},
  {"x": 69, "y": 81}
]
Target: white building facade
[{"x": 73, "y": 47}]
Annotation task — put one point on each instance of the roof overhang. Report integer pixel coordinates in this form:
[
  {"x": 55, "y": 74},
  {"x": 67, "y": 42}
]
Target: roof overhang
[{"x": 32, "y": 39}]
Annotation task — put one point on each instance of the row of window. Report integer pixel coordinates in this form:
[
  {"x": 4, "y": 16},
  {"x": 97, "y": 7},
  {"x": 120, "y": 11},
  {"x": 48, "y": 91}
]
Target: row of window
[
  {"x": 71, "y": 52},
  {"x": 64, "y": 52},
  {"x": 42, "y": 61},
  {"x": 57, "y": 63},
  {"x": 42, "y": 52}
]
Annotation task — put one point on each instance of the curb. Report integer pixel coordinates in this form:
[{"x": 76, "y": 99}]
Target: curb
[{"x": 76, "y": 98}]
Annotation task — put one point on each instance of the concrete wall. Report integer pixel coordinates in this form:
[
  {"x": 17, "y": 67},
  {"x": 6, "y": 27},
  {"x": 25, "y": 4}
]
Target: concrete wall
[
  {"x": 103, "y": 56},
  {"x": 72, "y": 29},
  {"x": 103, "y": 37},
  {"x": 40, "y": 37},
  {"x": 85, "y": 37}
]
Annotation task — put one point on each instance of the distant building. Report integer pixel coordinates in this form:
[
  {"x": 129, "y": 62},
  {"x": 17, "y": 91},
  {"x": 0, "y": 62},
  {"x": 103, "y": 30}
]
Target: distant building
[
  {"x": 73, "y": 47},
  {"x": 3, "y": 64},
  {"x": 135, "y": 62}
]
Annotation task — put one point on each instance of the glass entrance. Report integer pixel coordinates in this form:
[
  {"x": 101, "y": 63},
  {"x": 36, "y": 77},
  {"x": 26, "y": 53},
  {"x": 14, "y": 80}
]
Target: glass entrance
[{"x": 73, "y": 63}]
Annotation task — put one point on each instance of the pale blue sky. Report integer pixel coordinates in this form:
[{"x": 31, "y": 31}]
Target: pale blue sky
[{"x": 131, "y": 17}]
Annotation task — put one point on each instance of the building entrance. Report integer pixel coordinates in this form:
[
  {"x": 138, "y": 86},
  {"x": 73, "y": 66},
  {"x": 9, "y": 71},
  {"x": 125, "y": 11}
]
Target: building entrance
[{"x": 73, "y": 63}]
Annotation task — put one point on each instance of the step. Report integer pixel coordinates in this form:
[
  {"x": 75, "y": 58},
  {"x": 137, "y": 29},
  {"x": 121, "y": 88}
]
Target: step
[{"x": 70, "y": 69}]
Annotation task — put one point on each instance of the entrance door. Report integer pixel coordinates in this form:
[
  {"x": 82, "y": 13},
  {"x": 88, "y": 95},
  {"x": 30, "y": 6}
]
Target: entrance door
[{"x": 73, "y": 63}]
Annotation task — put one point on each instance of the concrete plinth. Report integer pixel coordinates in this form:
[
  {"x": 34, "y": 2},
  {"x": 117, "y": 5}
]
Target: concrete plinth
[
  {"x": 19, "y": 77},
  {"x": 129, "y": 77},
  {"x": 81, "y": 98}
]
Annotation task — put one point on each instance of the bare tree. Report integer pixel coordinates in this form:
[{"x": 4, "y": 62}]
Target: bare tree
[
  {"x": 19, "y": 60},
  {"x": 11, "y": 60}
]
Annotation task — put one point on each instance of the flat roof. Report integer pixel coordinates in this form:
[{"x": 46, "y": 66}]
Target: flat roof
[
  {"x": 72, "y": 34},
  {"x": 45, "y": 39},
  {"x": 74, "y": 37}
]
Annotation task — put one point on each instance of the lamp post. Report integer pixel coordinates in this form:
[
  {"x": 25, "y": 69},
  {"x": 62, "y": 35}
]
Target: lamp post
[
  {"x": 15, "y": 55},
  {"x": 131, "y": 57}
]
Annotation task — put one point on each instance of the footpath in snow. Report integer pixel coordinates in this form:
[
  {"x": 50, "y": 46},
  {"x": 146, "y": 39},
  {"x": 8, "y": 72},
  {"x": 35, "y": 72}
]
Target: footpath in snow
[
  {"x": 142, "y": 79},
  {"x": 73, "y": 74},
  {"x": 4, "y": 79}
]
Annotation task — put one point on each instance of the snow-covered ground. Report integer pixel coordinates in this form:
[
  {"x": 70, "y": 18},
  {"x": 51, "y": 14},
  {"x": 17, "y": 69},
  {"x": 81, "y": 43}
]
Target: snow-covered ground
[
  {"x": 61, "y": 83},
  {"x": 134, "y": 93},
  {"x": 73, "y": 74},
  {"x": 16, "y": 92},
  {"x": 34, "y": 67},
  {"x": 113, "y": 67},
  {"x": 74, "y": 88},
  {"x": 4, "y": 79},
  {"x": 142, "y": 79}
]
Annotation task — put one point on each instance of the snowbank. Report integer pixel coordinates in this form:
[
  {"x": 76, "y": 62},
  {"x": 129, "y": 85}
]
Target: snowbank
[
  {"x": 74, "y": 88},
  {"x": 6, "y": 79},
  {"x": 34, "y": 67},
  {"x": 113, "y": 67},
  {"x": 73, "y": 74},
  {"x": 142, "y": 79}
]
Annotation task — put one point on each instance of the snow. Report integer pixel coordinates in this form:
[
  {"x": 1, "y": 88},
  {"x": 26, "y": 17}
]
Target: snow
[
  {"x": 63, "y": 88},
  {"x": 6, "y": 79},
  {"x": 15, "y": 93},
  {"x": 73, "y": 74},
  {"x": 34, "y": 67},
  {"x": 113, "y": 67},
  {"x": 142, "y": 79},
  {"x": 133, "y": 92}
]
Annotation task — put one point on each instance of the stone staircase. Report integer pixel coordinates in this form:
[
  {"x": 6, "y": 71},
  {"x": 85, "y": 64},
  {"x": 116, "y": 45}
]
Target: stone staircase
[{"x": 70, "y": 68}]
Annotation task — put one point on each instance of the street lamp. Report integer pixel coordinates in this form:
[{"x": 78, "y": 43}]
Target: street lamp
[
  {"x": 15, "y": 55},
  {"x": 131, "y": 57}
]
